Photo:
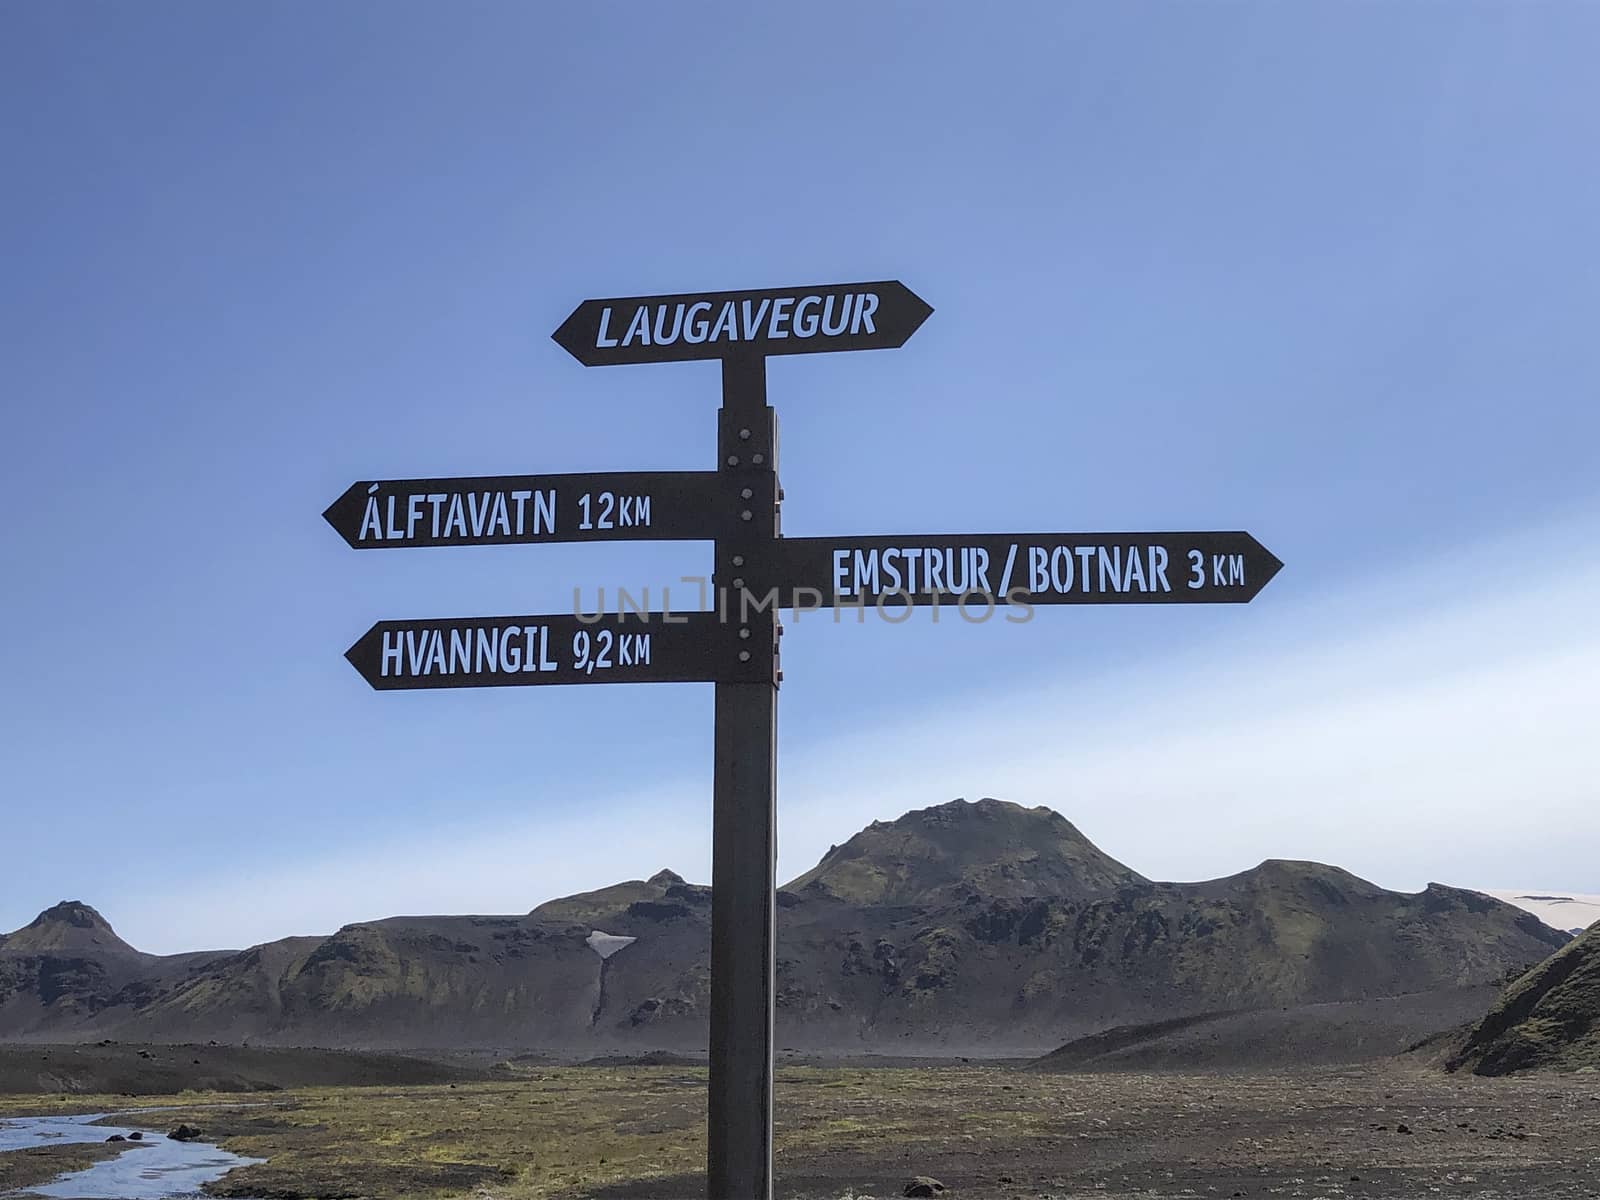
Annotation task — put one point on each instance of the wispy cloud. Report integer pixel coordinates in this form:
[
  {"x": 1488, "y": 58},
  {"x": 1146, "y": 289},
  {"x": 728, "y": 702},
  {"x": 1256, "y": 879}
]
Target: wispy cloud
[
  {"x": 1451, "y": 736},
  {"x": 1440, "y": 723}
]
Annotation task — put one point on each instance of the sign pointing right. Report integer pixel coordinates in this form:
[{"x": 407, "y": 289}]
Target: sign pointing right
[{"x": 1031, "y": 568}]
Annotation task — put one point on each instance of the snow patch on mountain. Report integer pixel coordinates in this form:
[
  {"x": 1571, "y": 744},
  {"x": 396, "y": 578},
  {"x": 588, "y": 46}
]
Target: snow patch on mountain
[{"x": 1572, "y": 911}]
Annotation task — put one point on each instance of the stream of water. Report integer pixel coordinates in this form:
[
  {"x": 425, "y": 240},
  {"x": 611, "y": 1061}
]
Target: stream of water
[{"x": 154, "y": 1168}]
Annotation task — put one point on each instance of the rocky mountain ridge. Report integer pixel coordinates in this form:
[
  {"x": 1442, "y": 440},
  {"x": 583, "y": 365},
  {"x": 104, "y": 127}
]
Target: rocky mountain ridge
[
  {"x": 963, "y": 928},
  {"x": 1550, "y": 1017}
]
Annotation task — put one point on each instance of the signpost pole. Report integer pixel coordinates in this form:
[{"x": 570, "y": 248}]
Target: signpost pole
[{"x": 744, "y": 790}]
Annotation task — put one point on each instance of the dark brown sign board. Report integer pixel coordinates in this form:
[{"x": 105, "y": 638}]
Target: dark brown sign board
[
  {"x": 1032, "y": 568},
  {"x": 693, "y": 325},
  {"x": 530, "y": 651},
  {"x": 497, "y": 510}
]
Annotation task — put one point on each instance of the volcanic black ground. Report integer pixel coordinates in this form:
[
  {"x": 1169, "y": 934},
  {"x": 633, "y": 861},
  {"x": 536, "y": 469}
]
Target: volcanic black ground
[{"x": 1389, "y": 1130}]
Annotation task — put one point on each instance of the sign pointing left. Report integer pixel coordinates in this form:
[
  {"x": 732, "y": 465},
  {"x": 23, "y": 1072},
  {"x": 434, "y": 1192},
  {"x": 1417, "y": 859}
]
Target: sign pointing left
[
  {"x": 558, "y": 648},
  {"x": 496, "y": 510},
  {"x": 813, "y": 319}
]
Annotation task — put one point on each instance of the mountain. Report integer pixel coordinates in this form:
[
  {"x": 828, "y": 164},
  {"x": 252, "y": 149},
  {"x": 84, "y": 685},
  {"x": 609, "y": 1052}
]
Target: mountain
[
  {"x": 954, "y": 851},
  {"x": 963, "y": 928},
  {"x": 1550, "y": 1017},
  {"x": 67, "y": 968},
  {"x": 71, "y": 927}
]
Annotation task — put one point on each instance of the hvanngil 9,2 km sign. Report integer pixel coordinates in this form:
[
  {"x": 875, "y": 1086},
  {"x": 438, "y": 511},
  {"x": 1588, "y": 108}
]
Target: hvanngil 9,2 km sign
[{"x": 558, "y": 648}]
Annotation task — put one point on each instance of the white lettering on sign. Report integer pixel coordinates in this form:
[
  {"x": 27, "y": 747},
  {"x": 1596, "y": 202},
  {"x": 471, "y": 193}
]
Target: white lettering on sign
[
  {"x": 1097, "y": 570},
  {"x": 506, "y": 650},
  {"x": 497, "y": 513},
  {"x": 1037, "y": 569},
  {"x": 605, "y": 649},
  {"x": 607, "y": 510},
  {"x": 1227, "y": 570},
  {"x": 911, "y": 569},
  {"x": 774, "y": 318}
]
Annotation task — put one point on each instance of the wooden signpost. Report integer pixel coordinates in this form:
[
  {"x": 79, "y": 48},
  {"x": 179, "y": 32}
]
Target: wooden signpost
[{"x": 735, "y": 645}]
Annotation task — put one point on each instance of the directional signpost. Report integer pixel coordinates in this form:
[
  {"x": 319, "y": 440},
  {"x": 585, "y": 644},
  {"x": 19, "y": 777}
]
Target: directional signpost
[{"x": 735, "y": 645}]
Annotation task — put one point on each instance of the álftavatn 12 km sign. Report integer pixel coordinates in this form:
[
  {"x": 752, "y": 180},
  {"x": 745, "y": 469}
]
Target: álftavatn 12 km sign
[{"x": 495, "y": 510}]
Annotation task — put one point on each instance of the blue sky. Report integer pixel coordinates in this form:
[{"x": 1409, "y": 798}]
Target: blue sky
[{"x": 1325, "y": 272}]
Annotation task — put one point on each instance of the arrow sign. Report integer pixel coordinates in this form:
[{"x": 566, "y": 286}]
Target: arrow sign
[
  {"x": 798, "y": 320},
  {"x": 499, "y": 510},
  {"x": 1031, "y": 568},
  {"x": 561, "y": 648}
]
